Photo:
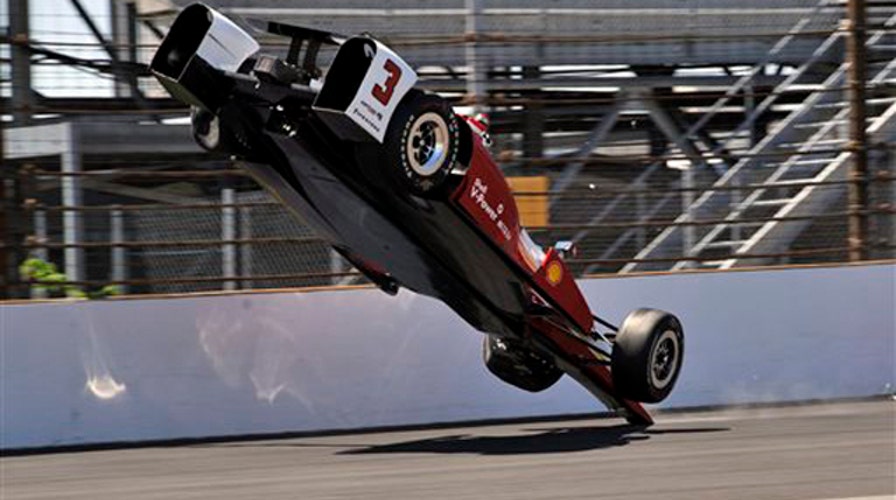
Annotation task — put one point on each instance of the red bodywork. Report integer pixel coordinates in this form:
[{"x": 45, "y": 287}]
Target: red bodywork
[{"x": 485, "y": 199}]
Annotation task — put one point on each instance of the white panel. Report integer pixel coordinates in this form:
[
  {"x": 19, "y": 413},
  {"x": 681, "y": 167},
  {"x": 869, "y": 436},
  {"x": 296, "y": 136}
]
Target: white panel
[
  {"x": 226, "y": 46},
  {"x": 38, "y": 140},
  {"x": 388, "y": 77},
  {"x": 130, "y": 370}
]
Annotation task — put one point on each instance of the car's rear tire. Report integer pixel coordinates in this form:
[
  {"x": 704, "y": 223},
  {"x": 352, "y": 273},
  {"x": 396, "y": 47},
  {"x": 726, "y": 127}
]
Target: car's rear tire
[
  {"x": 222, "y": 134},
  {"x": 647, "y": 355},
  {"x": 517, "y": 365},
  {"x": 422, "y": 142}
]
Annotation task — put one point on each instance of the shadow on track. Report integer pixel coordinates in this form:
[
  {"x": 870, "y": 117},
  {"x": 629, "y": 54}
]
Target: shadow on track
[{"x": 561, "y": 440}]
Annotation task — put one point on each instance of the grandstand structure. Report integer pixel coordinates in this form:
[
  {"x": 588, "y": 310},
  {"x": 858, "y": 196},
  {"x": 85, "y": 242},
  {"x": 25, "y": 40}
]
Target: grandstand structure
[{"x": 672, "y": 134}]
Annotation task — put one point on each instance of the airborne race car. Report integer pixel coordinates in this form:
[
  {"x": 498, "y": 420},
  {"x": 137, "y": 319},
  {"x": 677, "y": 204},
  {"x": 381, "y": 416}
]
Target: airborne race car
[{"x": 405, "y": 190}]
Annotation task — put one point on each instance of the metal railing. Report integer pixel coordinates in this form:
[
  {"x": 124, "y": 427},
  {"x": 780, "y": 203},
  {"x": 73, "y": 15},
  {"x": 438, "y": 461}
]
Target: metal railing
[
  {"x": 164, "y": 247},
  {"x": 635, "y": 124}
]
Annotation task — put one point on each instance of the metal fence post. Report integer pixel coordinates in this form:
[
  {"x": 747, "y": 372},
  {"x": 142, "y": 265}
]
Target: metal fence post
[
  {"x": 246, "y": 250},
  {"x": 118, "y": 252},
  {"x": 39, "y": 239},
  {"x": 688, "y": 184},
  {"x": 476, "y": 78},
  {"x": 858, "y": 142},
  {"x": 7, "y": 195},
  {"x": 19, "y": 31},
  {"x": 72, "y": 199},
  {"x": 228, "y": 235}
]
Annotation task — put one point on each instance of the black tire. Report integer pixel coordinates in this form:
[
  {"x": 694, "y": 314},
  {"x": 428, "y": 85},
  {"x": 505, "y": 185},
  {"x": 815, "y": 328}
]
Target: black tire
[
  {"x": 422, "y": 142},
  {"x": 226, "y": 133},
  {"x": 517, "y": 365},
  {"x": 647, "y": 355}
]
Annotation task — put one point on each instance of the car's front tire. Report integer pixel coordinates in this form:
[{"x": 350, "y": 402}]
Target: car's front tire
[{"x": 647, "y": 355}]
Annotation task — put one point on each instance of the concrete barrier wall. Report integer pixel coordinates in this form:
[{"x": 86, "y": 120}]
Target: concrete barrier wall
[{"x": 131, "y": 370}]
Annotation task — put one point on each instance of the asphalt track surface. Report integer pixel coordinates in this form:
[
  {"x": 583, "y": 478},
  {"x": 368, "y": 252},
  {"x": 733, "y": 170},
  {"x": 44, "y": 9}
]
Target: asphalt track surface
[{"x": 842, "y": 450}]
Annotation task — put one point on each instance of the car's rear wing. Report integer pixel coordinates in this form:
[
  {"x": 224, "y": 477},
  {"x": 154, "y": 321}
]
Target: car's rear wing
[
  {"x": 302, "y": 39},
  {"x": 299, "y": 33},
  {"x": 204, "y": 53},
  {"x": 203, "y": 46},
  {"x": 363, "y": 85}
]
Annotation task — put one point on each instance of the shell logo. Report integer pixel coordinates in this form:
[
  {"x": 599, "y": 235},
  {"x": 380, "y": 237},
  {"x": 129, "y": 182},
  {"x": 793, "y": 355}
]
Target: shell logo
[{"x": 554, "y": 273}]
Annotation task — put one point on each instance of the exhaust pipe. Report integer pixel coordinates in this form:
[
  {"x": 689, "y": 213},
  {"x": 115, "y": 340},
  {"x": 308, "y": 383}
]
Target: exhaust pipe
[{"x": 201, "y": 46}]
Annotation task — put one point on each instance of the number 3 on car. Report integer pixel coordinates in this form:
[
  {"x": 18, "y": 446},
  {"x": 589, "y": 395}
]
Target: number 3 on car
[
  {"x": 383, "y": 93},
  {"x": 363, "y": 87}
]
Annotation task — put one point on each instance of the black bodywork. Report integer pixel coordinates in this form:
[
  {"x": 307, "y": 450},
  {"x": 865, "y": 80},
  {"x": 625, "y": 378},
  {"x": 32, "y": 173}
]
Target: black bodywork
[
  {"x": 266, "y": 113},
  {"x": 341, "y": 188}
]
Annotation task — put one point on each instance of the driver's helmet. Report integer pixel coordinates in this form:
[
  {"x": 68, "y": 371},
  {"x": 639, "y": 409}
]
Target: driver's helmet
[{"x": 479, "y": 123}]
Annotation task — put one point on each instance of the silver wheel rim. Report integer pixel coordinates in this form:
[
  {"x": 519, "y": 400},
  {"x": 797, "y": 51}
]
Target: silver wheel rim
[
  {"x": 426, "y": 147},
  {"x": 664, "y": 360}
]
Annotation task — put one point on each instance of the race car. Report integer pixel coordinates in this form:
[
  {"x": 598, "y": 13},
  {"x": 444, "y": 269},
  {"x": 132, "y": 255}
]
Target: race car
[{"x": 406, "y": 190}]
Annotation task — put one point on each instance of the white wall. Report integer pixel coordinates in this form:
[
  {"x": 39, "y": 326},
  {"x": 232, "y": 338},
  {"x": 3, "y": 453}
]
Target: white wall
[{"x": 130, "y": 370}]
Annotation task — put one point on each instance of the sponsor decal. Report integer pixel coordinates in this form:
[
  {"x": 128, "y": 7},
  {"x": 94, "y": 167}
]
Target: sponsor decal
[
  {"x": 554, "y": 273},
  {"x": 479, "y": 193},
  {"x": 371, "y": 124}
]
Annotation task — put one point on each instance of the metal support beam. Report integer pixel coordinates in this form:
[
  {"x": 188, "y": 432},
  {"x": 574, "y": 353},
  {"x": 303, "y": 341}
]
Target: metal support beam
[
  {"x": 478, "y": 73},
  {"x": 757, "y": 68},
  {"x": 40, "y": 252},
  {"x": 124, "y": 41},
  {"x": 40, "y": 236},
  {"x": 533, "y": 120},
  {"x": 20, "y": 223},
  {"x": 737, "y": 196},
  {"x": 669, "y": 128},
  {"x": 7, "y": 195},
  {"x": 756, "y": 130},
  {"x": 858, "y": 141},
  {"x": 595, "y": 137},
  {"x": 72, "y": 196},
  {"x": 19, "y": 31},
  {"x": 246, "y": 249},
  {"x": 689, "y": 233},
  {"x": 94, "y": 29},
  {"x": 228, "y": 235},
  {"x": 889, "y": 230},
  {"x": 6, "y": 269},
  {"x": 640, "y": 210},
  {"x": 110, "y": 50},
  {"x": 119, "y": 257},
  {"x": 151, "y": 26}
]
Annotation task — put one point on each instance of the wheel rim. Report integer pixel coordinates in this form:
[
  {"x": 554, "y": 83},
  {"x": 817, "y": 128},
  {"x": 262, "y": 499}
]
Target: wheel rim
[
  {"x": 426, "y": 147},
  {"x": 664, "y": 360}
]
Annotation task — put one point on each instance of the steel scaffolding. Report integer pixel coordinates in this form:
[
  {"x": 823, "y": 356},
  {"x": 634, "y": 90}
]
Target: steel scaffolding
[{"x": 675, "y": 134}]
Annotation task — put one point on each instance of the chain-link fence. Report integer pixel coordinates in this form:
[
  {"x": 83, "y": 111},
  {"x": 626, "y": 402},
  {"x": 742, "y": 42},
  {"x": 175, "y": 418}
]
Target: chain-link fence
[{"x": 669, "y": 135}]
